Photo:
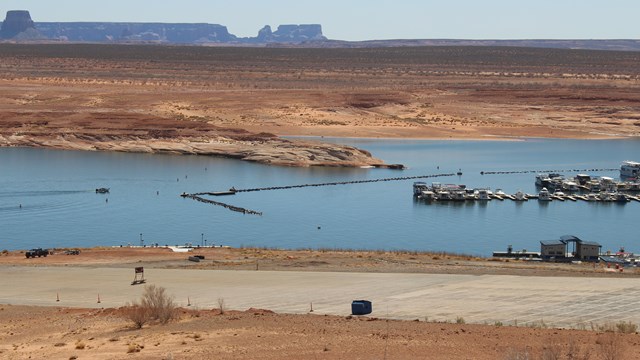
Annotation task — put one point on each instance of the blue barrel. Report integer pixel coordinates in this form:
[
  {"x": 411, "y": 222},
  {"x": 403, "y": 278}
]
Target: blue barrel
[{"x": 361, "y": 307}]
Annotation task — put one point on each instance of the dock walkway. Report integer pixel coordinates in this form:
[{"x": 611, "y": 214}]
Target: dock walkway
[{"x": 233, "y": 191}]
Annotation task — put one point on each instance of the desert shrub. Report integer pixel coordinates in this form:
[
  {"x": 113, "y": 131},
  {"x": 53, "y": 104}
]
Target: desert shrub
[
  {"x": 80, "y": 345},
  {"x": 460, "y": 320},
  {"x": 627, "y": 327},
  {"x": 611, "y": 346},
  {"x": 160, "y": 304},
  {"x": 155, "y": 304},
  {"x": 138, "y": 314}
]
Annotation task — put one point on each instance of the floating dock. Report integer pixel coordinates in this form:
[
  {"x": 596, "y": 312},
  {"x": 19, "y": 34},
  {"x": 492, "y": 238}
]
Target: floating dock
[{"x": 233, "y": 191}]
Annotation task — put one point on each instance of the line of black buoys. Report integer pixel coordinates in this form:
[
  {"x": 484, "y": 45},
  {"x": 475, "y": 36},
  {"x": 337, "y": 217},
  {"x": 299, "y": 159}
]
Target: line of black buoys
[
  {"x": 542, "y": 171},
  {"x": 341, "y": 183},
  {"x": 226, "y": 206}
]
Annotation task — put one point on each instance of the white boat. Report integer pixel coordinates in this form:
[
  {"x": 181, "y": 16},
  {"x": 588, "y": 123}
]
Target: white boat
[
  {"x": 546, "y": 180},
  {"x": 582, "y": 179},
  {"x": 427, "y": 195},
  {"x": 459, "y": 195},
  {"x": 520, "y": 196},
  {"x": 608, "y": 184},
  {"x": 593, "y": 185},
  {"x": 630, "y": 169},
  {"x": 544, "y": 195},
  {"x": 570, "y": 186},
  {"x": 558, "y": 195},
  {"x": 443, "y": 195},
  {"x": 542, "y": 180},
  {"x": 484, "y": 194}
]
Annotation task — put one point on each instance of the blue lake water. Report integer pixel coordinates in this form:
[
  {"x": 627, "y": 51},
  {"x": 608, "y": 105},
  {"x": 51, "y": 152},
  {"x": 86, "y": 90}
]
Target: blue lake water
[{"x": 48, "y": 199}]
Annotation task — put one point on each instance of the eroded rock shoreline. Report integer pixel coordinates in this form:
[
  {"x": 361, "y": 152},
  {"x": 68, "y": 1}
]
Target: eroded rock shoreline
[{"x": 272, "y": 151}]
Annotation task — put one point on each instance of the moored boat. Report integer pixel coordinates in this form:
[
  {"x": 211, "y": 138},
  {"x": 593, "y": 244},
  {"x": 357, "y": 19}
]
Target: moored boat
[
  {"x": 544, "y": 195},
  {"x": 483, "y": 195},
  {"x": 520, "y": 196},
  {"x": 427, "y": 195},
  {"x": 630, "y": 169},
  {"x": 419, "y": 187}
]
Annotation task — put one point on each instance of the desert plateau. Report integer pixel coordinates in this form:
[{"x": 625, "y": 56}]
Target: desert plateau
[{"x": 240, "y": 102}]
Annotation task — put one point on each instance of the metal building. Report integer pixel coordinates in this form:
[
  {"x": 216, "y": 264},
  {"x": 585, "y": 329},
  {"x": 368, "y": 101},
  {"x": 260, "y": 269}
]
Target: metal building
[{"x": 569, "y": 248}]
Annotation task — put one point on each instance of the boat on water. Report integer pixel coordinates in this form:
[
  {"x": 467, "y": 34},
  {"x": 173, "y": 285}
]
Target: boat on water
[
  {"x": 544, "y": 195},
  {"x": 419, "y": 187},
  {"x": 102, "y": 190},
  {"x": 582, "y": 179},
  {"x": 442, "y": 194},
  {"x": 427, "y": 195},
  {"x": 630, "y": 169},
  {"x": 547, "y": 180},
  {"x": 570, "y": 186},
  {"x": 484, "y": 194},
  {"x": 558, "y": 195},
  {"x": 459, "y": 195},
  {"x": 520, "y": 196}
]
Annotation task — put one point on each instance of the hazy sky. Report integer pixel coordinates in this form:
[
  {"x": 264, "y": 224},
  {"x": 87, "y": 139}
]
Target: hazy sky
[{"x": 368, "y": 19}]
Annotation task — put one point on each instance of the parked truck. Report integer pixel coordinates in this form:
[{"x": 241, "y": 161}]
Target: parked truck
[{"x": 36, "y": 252}]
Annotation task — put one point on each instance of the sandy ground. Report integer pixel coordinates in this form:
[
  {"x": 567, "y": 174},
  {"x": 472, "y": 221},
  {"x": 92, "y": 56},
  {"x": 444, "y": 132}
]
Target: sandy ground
[{"x": 437, "y": 306}]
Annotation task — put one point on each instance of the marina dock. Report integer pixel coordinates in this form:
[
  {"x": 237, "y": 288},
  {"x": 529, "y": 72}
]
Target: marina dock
[
  {"x": 459, "y": 193},
  {"x": 233, "y": 191}
]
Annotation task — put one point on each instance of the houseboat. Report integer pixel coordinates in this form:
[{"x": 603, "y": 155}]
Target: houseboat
[
  {"x": 630, "y": 169},
  {"x": 544, "y": 195}
]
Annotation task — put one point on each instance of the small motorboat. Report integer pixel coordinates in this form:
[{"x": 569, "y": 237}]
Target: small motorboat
[
  {"x": 102, "y": 190},
  {"x": 520, "y": 196}
]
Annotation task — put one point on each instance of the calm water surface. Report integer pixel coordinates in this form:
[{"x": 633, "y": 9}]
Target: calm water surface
[{"x": 47, "y": 199}]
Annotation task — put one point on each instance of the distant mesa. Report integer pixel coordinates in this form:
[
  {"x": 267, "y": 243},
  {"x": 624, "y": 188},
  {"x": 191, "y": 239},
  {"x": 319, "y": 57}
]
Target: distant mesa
[
  {"x": 290, "y": 33},
  {"x": 19, "y": 26}
]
